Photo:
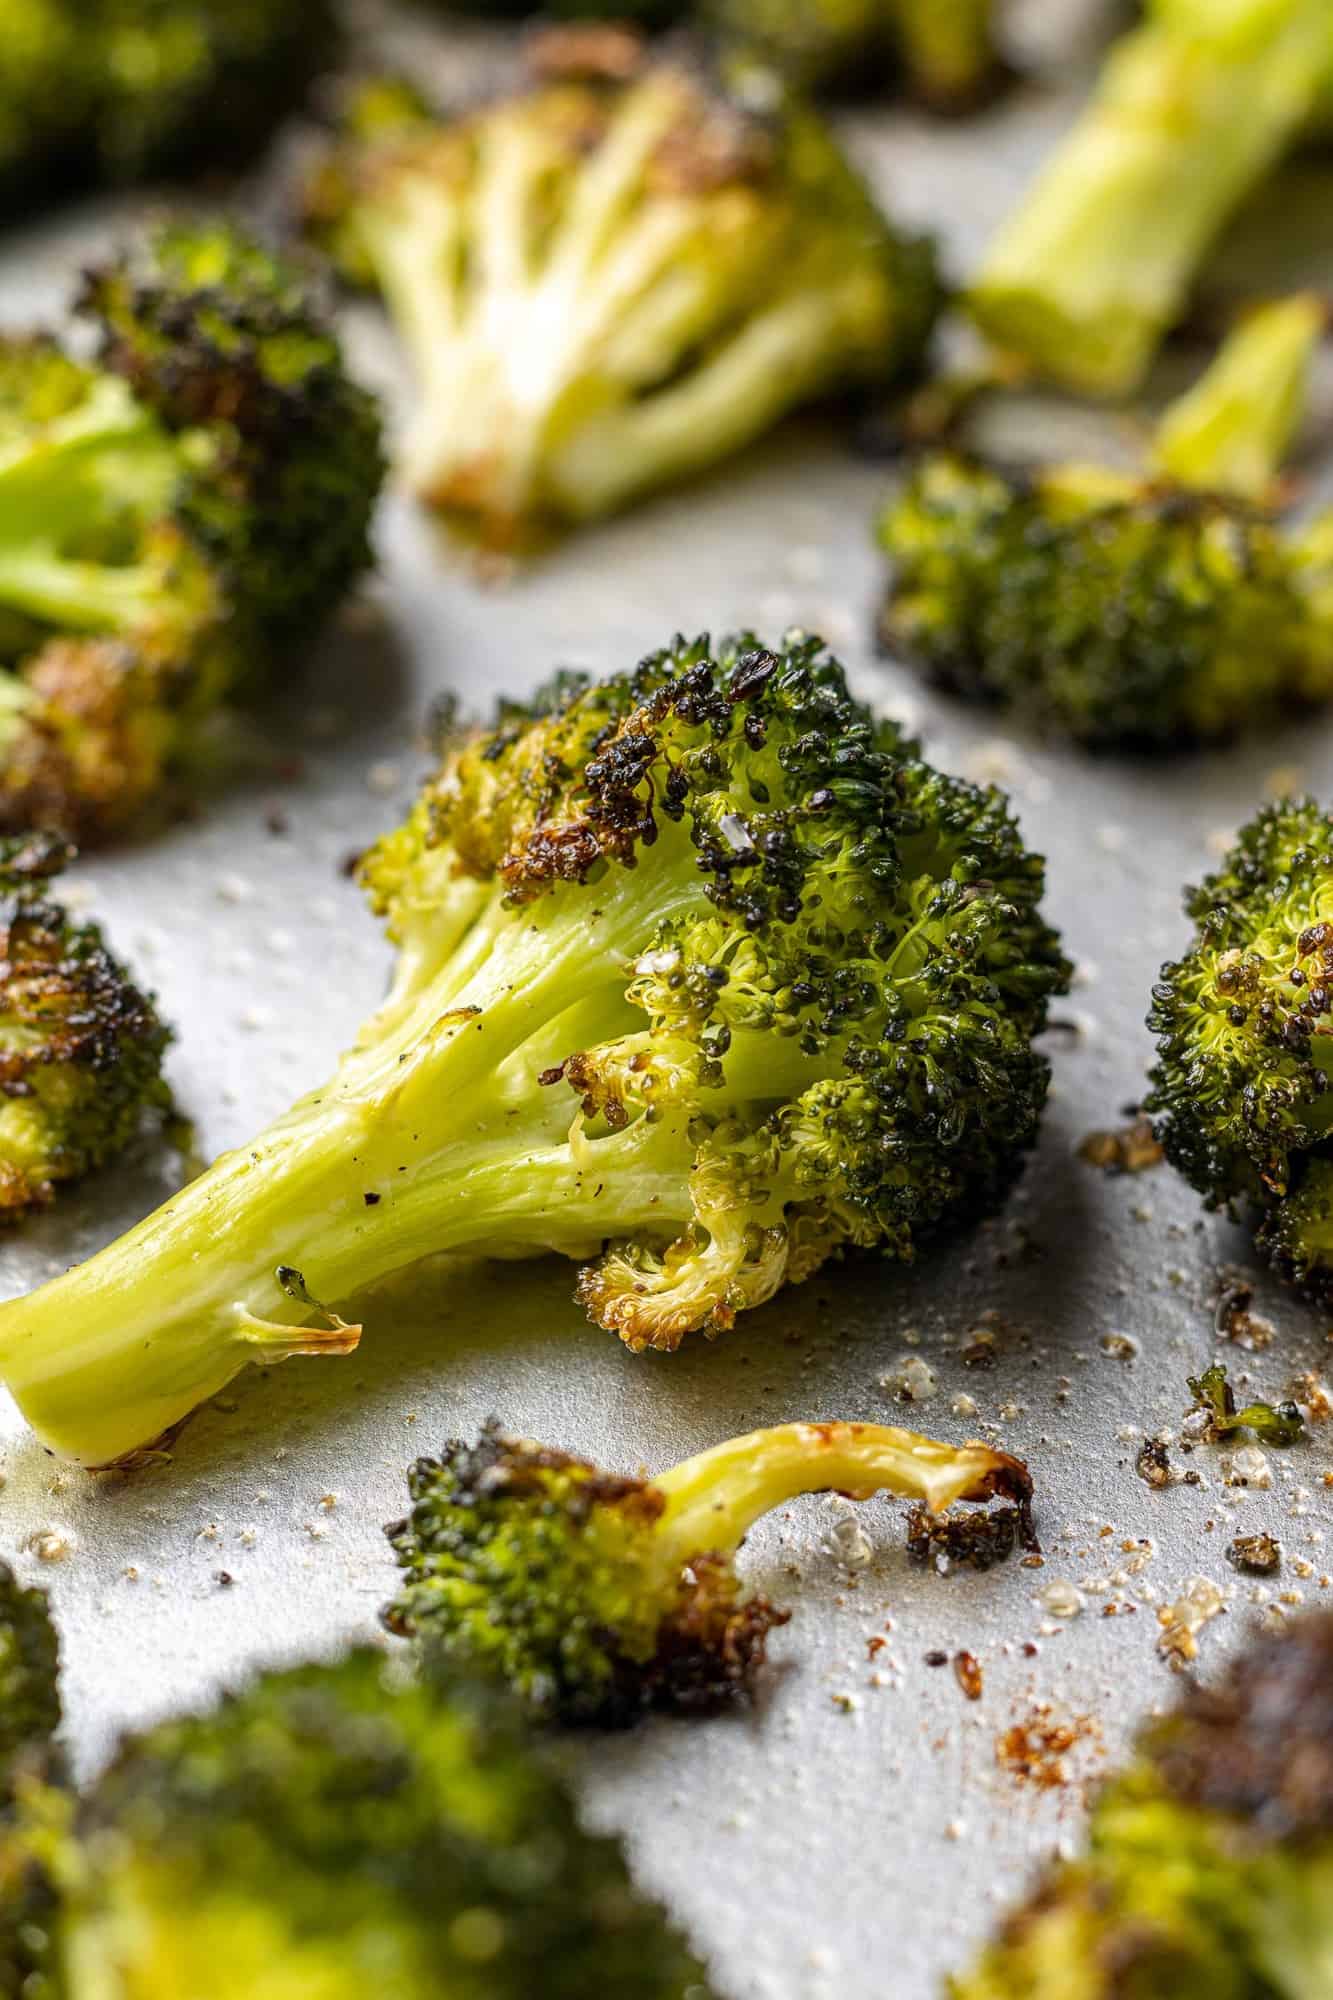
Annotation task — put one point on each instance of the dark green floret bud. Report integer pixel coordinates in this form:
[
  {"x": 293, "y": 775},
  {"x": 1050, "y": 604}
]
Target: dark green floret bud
[{"x": 596, "y": 1597}]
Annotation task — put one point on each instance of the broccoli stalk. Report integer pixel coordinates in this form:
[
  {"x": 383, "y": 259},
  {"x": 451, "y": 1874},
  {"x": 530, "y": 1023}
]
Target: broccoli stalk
[
  {"x": 594, "y": 1597},
  {"x": 1118, "y": 608},
  {"x": 947, "y": 50},
  {"x": 606, "y": 285},
  {"x": 790, "y": 973},
  {"x": 1192, "y": 110}
]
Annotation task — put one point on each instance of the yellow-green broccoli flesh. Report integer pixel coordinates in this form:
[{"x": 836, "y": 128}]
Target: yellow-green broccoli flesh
[
  {"x": 595, "y": 1597},
  {"x": 1192, "y": 110},
  {"x": 700, "y": 962},
  {"x": 1115, "y": 608},
  {"x": 175, "y": 517},
  {"x": 608, "y": 282},
  {"x": 1209, "y": 1871}
]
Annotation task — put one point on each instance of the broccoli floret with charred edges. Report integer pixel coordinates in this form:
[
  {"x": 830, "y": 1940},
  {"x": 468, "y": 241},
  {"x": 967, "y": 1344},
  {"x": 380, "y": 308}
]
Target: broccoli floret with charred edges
[
  {"x": 115, "y": 90},
  {"x": 1120, "y": 609},
  {"x": 1239, "y": 1094},
  {"x": 81, "y": 1047},
  {"x": 1209, "y": 1870},
  {"x": 1192, "y": 110},
  {"x": 699, "y": 962},
  {"x": 596, "y": 1597},
  {"x": 176, "y": 517},
  {"x": 610, "y": 281}
]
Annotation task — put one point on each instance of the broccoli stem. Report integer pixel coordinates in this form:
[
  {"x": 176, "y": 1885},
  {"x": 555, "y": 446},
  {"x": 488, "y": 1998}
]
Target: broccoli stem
[
  {"x": 1232, "y": 430},
  {"x": 715, "y": 1498},
  {"x": 947, "y": 48},
  {"x": 1191, "y": 111}
]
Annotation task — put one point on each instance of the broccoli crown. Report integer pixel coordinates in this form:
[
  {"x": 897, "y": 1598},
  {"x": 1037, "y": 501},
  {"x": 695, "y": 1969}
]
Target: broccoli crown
[
  {"x": 336, "y": 1831},
  {"x": 81, "y": 1047},
  {"x": 617, "y": 277},
  {"x": 1109, "y": 609},
  {"x": 1239, "y": 1094},
  {"x": 172, "y": 519},
  {"x": 595, "y": 1597},
  {"x": 1211, "y": 1858},
  {"x": 117, "y": 89},
  {"x": 790, "y": 973}
]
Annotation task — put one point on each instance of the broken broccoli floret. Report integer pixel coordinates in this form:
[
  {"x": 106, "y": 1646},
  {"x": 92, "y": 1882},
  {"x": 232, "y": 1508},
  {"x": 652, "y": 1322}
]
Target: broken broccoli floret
[
  {"x": 1215, "y": 1401},
  {"x": 608, "y": 282},
  {"x": 700, "y": 961},
  {"x": 595, "y": 1597},
  {"x": 81, "y": 1047},
  {"x": 1151, "y": 609},
  {"x": 1192, "y": 110},
  {"x": 176, "y": 517},
  {"x": 1209, "y": 1871},
  {"x": 1240, "y": 1096}
]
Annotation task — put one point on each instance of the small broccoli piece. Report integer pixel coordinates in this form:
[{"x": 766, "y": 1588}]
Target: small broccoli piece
[
  {"x": 175, "y": 518},
  {"x": 700, "y": 962},
  {"x": 947, "y": 51},
  {"x": 29, "y": 1672},
  {"x": 1215, "y": 1399},
  {"x": 1192, "y": 110},
  {"x": 113, "y": 90},
  {"x": 1114, "y": 608},
  {"x": 596, "y": 1597},
  {"x": 338, "y": 1831},
  {"x": 1210, "y": 1866},
  {"x": 81, "y": 1047},
  {"x": 32, "y": 1778},
  {"x": 609, "y": 282},
  {"x": 1240, "y": 1096}
]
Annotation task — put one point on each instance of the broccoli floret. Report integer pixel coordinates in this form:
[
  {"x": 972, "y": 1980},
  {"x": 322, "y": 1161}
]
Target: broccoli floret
[
  {"x": 608, "y": 282},
  {"x": 1240, "y": 1096},
  {"x": 791, "y": 973},
  {"x": 175, "y": 518},
  {"x": 32, "y": 1779},
  {"x": 1210, "y": 1867},
  {"x": 941, "y": 51},
  {"x": 29, "y": 1670},
  {"x": 595, "y": 1597},
  {"x": 113, "y": 90},
  {"x": 1192, "y": 110},
  {"x": 81, "y": 1047},
  {"x": 1114, "y": 608}
]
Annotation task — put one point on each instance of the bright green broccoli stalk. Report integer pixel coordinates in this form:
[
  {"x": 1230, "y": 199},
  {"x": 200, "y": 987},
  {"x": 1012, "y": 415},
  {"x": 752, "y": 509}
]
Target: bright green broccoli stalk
[
  {"x": 609, "y": 282},
  {"x": 81, "y": 1047},
  {"x": 106, "y": 90},
  {"x": 1120, "y": 609},
  {"x": 176, "y": 518},
  {"x": 790, "y": 973},
  {"x": 1240, "y": 1095},
  {"x": 1209, "y": 1873},
  {"x": 596, "y": 1597},
  {"x": 1192, "y": 110}
]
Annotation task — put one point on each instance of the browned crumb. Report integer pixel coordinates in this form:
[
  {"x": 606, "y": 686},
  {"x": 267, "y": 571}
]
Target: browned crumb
[{"x": 1130, "y": 1150}]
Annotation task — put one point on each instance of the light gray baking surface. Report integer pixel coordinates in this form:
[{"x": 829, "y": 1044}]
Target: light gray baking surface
[{"x": 854, "y": 1833}]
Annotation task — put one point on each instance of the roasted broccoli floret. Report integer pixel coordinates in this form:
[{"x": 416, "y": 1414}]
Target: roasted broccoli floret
[
  {"x": 1192, "y": 110},
  {"x": 176, "y": 517},
  {"x": 332, "y": 1831},
  {"x": 942, "y": 51},
  {"x": 1154, "y": 609},
  {"x": 596, "y": 1597},
  {"x": 700, "y": 960},
  {"x": 1240, "y": 1096},
  {"x": 81, "y": 1047},
  {"x": 1209, "y": 1871},
  {"x": 608, "y": 282},
  {"x": 112, "y": 90}
]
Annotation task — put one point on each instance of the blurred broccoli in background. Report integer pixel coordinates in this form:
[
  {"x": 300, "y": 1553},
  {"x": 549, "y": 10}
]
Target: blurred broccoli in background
[
  {"x": 331, "y": 1832},
  {"x": 81, "y": 1047},
  {"x": 616, "y": 277},
  {"x": 1239, "y": 1094},
  {"x": 114, "y": 90},
  {"x": 1192, "y": 110},
  {"x": 941, "y": 53},
  {"x": 177, "y": 517},
  {"x": 1209, "y": 1871},
  {"x": 596, "y": 1597},
  {"x": 1123, "y": 609}
]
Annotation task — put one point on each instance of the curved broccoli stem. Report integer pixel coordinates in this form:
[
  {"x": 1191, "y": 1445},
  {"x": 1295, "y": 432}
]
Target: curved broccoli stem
[
  {"x": 1232, "y": 430},
  {"x": 1192, "y": 109}
]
